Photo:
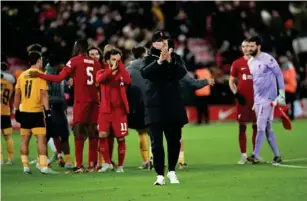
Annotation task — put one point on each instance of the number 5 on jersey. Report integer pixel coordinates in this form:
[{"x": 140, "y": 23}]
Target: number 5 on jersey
[{"x": 89, "y": 73}]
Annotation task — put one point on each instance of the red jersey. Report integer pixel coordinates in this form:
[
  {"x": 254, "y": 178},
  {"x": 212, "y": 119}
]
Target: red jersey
[
  {"x": 113, "y": 89},
  {"x": 240, "y": 71},
  {"x": 83, "y": 70}
]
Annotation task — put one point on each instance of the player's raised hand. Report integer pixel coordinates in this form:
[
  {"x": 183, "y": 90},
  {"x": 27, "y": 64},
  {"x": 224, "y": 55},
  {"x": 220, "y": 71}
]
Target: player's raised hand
[
  {"x": 33, "y": 74},
  {"x": 169, "y": 55},
  {"x": 114, "y": 65}
]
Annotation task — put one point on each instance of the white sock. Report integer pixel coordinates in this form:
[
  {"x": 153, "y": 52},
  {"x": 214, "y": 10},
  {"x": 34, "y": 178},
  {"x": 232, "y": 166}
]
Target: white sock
[
  {"x": 51, "y": 145},
  {"x": 244, "y": 154}
]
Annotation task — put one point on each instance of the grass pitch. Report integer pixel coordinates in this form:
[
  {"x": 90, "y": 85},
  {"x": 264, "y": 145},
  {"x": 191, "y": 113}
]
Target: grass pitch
[{"x": 213, "y": 175}]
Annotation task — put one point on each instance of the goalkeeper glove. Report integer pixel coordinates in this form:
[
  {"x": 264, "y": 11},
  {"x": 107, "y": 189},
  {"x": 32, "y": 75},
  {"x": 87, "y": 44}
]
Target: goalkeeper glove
[
  {"x": 240, "y": 98},
  {"x": 281, "y": 100}
]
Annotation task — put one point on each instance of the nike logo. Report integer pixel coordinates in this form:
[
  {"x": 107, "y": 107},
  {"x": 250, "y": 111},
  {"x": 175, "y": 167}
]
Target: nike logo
[
  {"x": 243, "y": 68},
  {"x": 224, "y": 114}
]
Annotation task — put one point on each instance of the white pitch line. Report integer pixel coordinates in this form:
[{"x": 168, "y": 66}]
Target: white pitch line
[
  {"x": 295, "y": 159},
  {"x": 291, "y": 166}
]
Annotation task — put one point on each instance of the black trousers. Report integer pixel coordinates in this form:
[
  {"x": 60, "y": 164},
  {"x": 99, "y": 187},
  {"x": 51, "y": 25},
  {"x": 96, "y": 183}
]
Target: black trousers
[
  {"x": 290, "y": 98},
  {"x": 172, "y": 134},
  {"x": 202, "y": 108}
]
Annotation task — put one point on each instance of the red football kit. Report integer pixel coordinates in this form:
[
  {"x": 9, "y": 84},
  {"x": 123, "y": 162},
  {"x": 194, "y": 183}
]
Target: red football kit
[
  {"x": 86, "y": 106},
  {"x": 241, "y": 72},
  {"x": 113, "y": 109},
  {"x": 114, "y": 103},
  {"x": 83, "y": 70}
]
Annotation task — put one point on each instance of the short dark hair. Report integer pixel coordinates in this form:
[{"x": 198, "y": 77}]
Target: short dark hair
[
  {"x": 33, "y": 57},
  {"x": 107, "y": 54},
  {"x": 34, "y": 47},
  {"x": 256, "y": 39},
  {"x": 81, "y": 46},
  {"x": 138, "y": 51},
  {"x": 94, "y": 48}
]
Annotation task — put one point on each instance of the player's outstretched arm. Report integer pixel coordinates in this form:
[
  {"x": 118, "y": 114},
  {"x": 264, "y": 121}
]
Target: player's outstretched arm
[
  {"x": 103, "y": 75},
  {"x": 55, "y": 78},
  {"x": 194, "y": 83}
]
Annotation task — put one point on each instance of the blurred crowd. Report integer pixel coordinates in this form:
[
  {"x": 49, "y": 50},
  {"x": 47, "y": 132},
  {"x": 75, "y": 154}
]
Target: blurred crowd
[{"x": 207, "y": 34}]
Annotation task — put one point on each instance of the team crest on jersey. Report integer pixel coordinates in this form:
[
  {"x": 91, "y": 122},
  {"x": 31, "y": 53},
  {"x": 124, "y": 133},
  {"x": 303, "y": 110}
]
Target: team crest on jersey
[{"x": 68, "y": 64}]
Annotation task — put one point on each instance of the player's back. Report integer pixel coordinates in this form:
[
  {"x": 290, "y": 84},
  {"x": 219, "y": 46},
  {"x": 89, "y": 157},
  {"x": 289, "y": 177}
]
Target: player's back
[
  {"x": 85, "y": 69},
  {"x": 31, "y": 99},
  {"x": 6, "y": 94},
  {"x": 264, "y": 80}
]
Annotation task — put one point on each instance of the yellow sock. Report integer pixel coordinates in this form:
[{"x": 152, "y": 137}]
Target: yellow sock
[
  {"x": 67, "y": 159},
  {"x": 181, "y": 157},
  {"x": 25, "y": 160},
  {"x": 100, "y": 159},
  {"x": 10, "y": 148},
  {"x": 43, "y": 161},
  {"x": 143, "y": 146}
]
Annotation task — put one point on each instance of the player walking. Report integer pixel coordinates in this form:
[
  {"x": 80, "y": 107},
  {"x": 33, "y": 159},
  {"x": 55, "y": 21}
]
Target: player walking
[
  {"x": 113, "y": 107},
  {"x": 31, "y": 98},
  {"x": 85, "y": 110},
  {"x": 265, "y": 71},
  {"x": 244, "y": 94},
  {"x": 7, "y": 89}
]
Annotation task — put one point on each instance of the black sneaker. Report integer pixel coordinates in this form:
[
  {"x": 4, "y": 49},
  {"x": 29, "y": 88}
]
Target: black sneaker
[
  {"x": 276, "y": 160},
  {"x": 253, "y": 159}
]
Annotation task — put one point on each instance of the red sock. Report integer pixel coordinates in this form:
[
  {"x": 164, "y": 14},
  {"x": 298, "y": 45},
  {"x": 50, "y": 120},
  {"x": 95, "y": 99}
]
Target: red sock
[
  {"x": 92, "y": 151},
  {"x": 254, "y": 135},
  {"x": 104, "y": 149},
  {"x": 242, "y": 138},
  {"x": 57, "y": 144},
  {"x": 111, "y": 146},
  {"x": 121, "y": 152},
  {"x": 79, "y": 145}
]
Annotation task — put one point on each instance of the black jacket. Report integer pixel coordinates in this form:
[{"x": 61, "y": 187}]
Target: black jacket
[
  {"x": 136, "y": 93},
  {"x": 163, "y": 102}
]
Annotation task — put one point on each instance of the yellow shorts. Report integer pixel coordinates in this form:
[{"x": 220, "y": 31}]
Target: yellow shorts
[
  {"x": 6, "y": 125},
  {"x": 32, "y": 123}
]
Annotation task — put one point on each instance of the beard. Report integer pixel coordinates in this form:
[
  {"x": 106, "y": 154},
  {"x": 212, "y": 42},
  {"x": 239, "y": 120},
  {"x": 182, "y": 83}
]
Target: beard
[{"x": 253, "y": 52}]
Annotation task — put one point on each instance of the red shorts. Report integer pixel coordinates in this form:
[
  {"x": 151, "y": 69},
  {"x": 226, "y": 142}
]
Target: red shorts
[
  {"x": 85, "y": 113},
  {"x": 115, "y": 123},
  {"x": 246, "y": 114}
]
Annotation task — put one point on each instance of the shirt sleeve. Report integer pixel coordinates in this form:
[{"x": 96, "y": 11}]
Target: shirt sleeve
[
  {"x": 273, "y": 65},
  {"x": 233, "y": 70},
  {"x": 43, "y": 85}
]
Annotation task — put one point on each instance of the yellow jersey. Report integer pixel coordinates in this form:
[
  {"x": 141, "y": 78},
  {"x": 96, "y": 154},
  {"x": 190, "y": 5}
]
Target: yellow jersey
[
  {"x": 6, "y": 95},
  {"x": 31, "y": 100}
]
